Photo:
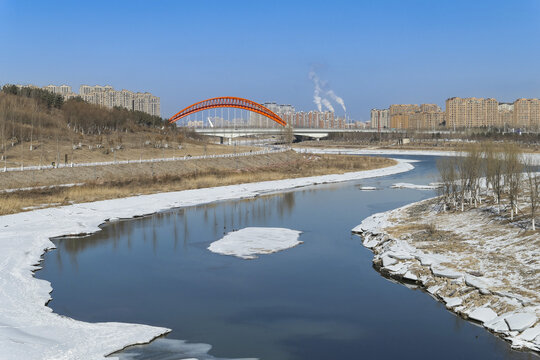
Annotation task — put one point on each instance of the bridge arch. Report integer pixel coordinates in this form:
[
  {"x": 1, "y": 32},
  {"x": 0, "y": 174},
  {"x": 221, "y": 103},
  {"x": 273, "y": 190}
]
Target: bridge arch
[{"x": 230, "y": 102}]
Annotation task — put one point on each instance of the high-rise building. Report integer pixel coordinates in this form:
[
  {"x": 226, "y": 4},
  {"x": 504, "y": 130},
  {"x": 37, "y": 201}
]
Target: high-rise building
[
  {"x": 60, "y": 90},
  {"x": 505, "y": 115},
  {"x": 412, "y": 116},
  {"x": 526, "y": 113},
  {"x": 108, "y": 97},
  {"x": 426, "y": 120},
  {"x": 399, "y": 115},
  {"x": 380, "y": 118},
  {"x": 430, "y": 108},
  {"x": 397, "y": 109},
  {"x": 311, "y": 119},
  {"x": 471, "y": 112}
]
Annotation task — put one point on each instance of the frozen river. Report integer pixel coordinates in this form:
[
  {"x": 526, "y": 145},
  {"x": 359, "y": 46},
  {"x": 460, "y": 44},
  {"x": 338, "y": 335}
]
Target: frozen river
[{"x": 318, "y": 300}]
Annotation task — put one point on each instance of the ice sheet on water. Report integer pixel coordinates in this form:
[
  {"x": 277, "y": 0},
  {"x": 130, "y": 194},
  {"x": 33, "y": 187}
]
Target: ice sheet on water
[
  {"x": 414, "y": 186},
  {"x": 249, "y": 242},
  {"x": 169, "y": 349}
]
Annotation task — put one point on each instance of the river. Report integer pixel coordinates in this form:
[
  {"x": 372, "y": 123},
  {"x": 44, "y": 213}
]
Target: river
[{"x": 319, "y": 300}]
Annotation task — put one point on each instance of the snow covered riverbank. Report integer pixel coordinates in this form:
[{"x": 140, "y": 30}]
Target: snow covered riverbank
[
  {"x": 532, "y": 157},
  {"x": 30, "y": 330},
  {"x": 482, "y": 270}
]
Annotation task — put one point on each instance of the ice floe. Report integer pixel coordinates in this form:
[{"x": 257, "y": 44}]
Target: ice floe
[
  {"x": 249, "y": 242},
  {"x": 414, "y": 186},
  {"x": 520, "y": 321},
  {"x": 483, "y": 314}
]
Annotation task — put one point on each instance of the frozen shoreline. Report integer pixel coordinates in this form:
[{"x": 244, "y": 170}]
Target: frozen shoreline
[
  {"x": 534, "y": 157},
  {"x": 471, "y": 294},
  {"x": 30, "y": 330}
]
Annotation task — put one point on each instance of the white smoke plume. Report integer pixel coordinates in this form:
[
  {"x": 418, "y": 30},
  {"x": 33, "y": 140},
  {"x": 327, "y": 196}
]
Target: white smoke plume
[
  {"x": 319, "y": 87},
  {"x": 327, "y": 105},
  {"x": 337, "y": 99},
  {"x": 317, "y": 92}
]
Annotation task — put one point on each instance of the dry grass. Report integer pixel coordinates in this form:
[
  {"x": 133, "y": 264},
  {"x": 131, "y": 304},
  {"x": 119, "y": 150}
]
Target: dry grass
[
  {"x": 116, "y": 181},
  {"x": 119, "y": 146}
]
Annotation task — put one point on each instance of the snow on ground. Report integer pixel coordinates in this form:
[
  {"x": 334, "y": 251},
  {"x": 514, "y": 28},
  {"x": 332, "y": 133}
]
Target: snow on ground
[
  {"x": 247, "y": 243},
  {"x": 431, "y": 186},
  {"x": 30, "y": 330},
  {"x": 481, "y": 268}
]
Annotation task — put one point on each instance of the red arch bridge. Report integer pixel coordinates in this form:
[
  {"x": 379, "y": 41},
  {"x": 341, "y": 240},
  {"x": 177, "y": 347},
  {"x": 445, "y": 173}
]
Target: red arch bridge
[
  {"x": 233, "y": 130},
  {"x": 228, "y": 102}
]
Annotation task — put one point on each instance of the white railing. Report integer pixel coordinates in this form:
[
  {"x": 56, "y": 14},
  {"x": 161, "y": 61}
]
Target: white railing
[{"x": 140, "y": 161}]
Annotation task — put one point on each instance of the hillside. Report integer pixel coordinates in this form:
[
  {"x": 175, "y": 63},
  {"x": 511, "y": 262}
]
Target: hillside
[{"x": 38, "y": 128}]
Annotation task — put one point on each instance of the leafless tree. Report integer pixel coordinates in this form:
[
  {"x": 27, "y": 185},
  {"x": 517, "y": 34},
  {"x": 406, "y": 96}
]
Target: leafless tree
[
  {"x": 447, "y": 172},
  {"x": 512, "y": 175},
  {"x": 533, "y": 187},
  {"x": 472, "y": 167}
]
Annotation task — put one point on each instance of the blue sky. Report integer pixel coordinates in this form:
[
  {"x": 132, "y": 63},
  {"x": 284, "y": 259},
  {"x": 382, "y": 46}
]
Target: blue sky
[{"x": 371, "y": 53}]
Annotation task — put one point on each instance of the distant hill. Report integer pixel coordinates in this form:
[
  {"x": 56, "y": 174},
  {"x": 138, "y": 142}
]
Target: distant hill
[{"x": 27, "y": 113}]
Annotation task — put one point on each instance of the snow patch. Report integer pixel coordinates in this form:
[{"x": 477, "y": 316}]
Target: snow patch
[
  {"x": 249, "y": 242},
  {"x": 414, "y": 186}
]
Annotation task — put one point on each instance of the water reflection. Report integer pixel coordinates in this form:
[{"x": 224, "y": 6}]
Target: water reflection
[{"x": 220, "y": 217}]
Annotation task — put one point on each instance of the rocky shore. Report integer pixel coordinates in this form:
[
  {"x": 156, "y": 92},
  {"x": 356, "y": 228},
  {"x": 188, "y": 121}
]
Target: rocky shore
[{"x": 483, "y": 269}]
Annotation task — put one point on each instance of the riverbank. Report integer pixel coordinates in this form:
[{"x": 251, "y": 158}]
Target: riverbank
[
  {"x": 30, "y": 190},
  {"x": 29, "y": 328},
  {"x": 483, "y": 267}
]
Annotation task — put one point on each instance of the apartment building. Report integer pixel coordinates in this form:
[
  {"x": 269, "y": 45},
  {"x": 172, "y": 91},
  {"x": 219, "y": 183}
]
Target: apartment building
[
  {"x": 426, "y": 120},
  {"x": 380, "y": 118},
  {"x": 505, "y": 115},
  {"x": 397, "y": 109},
  {"x": 471, "y": 112},
  {"x": 412, "y": 116},
  {"x": 526, "y": 113},
  {"x": 108, "y": 97},
  {"x": 300, "y": 119},
  {"x": 399, "y": 115},
  {"x": 63, "y": 90}
]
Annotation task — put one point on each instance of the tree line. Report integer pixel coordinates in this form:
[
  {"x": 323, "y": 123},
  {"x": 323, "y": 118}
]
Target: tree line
[{"x": 490, "y": 172}]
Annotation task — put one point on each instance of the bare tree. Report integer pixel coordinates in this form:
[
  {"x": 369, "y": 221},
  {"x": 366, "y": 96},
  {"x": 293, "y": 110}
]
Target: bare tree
[
  {"x": 533, "y": 186},
  {"x": 472, "y": 167},
  {"x": 447, "y": 172},
  {"x": 490, "y": 159},
  {"x": 512, "y": 175},
  {"x": 498, "y": 179},
  {"x": 461, "y": 177}
]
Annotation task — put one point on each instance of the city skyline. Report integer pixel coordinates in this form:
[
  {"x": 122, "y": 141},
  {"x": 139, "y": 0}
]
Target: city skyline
[{"x": 371, "y": 54}]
